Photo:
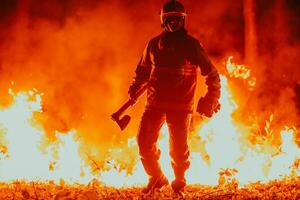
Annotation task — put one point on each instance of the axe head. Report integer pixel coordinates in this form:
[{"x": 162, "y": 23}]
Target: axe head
[{"x": 122, "y": 122}]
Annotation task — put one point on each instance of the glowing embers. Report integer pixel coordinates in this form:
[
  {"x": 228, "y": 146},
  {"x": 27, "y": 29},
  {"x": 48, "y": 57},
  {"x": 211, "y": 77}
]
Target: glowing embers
[{"x": 239, "y": 71}]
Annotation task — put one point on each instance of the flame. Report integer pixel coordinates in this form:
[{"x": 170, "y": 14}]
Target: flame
[
  {"x": 219, "y": 152},
  {"x": 83, "y": 70},
  {"x": 224, "y": 154},
  {"x": 229, "y": 157},
  {"x": 24, "y": 158},
  {"x": 239, "y": 71}
]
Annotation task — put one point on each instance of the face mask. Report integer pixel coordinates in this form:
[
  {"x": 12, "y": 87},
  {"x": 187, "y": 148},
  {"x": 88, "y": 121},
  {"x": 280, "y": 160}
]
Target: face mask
[{"x": 173, "y": 23}]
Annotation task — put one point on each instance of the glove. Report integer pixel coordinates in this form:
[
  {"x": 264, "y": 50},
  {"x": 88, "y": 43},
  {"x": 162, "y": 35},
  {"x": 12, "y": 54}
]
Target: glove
[
  {"x": 133, "y": 89},
  {"x": 207, "y": 107}
]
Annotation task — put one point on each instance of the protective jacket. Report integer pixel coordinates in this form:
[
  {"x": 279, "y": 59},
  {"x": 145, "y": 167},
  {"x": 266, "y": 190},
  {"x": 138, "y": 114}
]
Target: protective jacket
[{"x": 170, "y": 62}]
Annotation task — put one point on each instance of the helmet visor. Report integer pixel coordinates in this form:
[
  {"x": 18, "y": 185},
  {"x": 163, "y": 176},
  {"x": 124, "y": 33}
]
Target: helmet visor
[{"x": 173, "y": 14}]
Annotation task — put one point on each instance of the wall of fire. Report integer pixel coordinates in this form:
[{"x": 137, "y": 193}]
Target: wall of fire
[{"x": 82, "y": 54}]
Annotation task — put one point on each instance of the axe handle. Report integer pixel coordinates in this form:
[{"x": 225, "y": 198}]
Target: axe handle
[
  {"x": 125, "y": 106},
  {"x": 131, "y": 101},
  {"x": 141, "y": 91}
]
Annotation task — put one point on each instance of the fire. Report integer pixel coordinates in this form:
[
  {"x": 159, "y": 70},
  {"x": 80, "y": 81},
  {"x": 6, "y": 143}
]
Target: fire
[
  {"x": 229, "y": 157},
  {"x": 219, "y": 152},
  {"x": 80, "y": 58},
  {"x": 24, "y": 158},
  {"x": 239, "y": 71}
]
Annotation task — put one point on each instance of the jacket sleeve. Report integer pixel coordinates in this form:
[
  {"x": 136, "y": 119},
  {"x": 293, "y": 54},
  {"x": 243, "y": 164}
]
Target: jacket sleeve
[
  {"x": 144, "y": 67},
  {"x": 211, "y": 73}
]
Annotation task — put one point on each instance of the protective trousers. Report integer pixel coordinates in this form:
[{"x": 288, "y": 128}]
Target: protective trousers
[{"x": 178, "y": 123}]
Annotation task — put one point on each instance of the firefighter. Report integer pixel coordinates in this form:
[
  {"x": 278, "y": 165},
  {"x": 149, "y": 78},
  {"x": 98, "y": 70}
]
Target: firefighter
[{"x": 169, "y": 64}]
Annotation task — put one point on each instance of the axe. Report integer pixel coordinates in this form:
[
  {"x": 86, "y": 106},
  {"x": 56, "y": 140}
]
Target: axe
[{"x": 124, "y": 121}]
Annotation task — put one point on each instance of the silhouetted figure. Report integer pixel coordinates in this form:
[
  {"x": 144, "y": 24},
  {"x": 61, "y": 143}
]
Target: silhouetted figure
[{"x": 169, "y": 63}]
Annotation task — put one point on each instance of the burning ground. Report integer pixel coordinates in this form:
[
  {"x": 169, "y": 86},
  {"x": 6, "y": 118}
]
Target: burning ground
[
  {"x": 284, "y": 189},
  {"x": 65, "y": 66}
]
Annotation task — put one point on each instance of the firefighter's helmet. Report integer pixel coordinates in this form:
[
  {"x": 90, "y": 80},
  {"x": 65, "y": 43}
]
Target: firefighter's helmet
[{"x": 172, "y": 8}]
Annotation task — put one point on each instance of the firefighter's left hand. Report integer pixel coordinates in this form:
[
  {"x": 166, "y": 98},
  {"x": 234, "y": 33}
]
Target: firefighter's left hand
[{"x": 207, "y": 107}]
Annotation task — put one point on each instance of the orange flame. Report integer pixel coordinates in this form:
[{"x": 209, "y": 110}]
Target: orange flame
[
  {"x": 239, "y": 71},
  {"x": 65, "y": 132}
]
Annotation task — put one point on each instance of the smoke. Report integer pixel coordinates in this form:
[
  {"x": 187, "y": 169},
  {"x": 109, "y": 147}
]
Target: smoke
[{"x": 81, "y": 57}]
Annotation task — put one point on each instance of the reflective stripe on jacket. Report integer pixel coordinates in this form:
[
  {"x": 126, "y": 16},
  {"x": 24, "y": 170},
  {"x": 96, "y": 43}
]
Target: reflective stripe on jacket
[{"x": 170, "y": 62}]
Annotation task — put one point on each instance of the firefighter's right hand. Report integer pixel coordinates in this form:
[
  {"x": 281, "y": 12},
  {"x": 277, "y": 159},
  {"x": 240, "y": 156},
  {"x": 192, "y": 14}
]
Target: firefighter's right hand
[
  {"x": 207, "y": 107},
  {"x": 133, "y": 90}
]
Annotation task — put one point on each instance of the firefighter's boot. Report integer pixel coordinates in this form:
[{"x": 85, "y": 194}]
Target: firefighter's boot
[{"x": 156, "y": 183}]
